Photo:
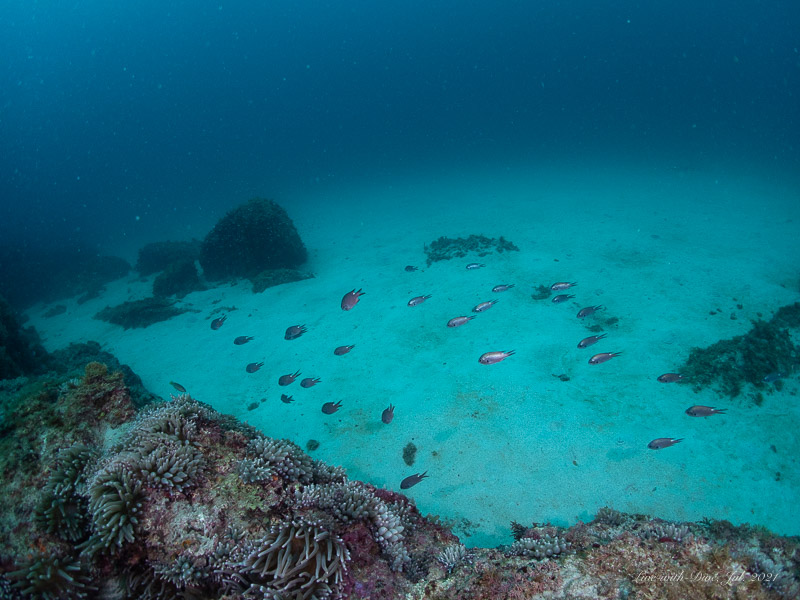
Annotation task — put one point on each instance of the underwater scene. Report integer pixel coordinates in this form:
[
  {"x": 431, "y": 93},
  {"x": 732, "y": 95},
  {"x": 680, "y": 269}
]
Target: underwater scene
[{"x": 430, "y": 301}]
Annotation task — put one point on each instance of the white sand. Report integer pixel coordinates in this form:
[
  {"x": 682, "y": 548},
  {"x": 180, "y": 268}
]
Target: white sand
[{"x": 658, "y": 248}]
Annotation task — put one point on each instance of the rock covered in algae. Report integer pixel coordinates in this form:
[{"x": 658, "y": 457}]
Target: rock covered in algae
[{"x": 176, "y": 500}]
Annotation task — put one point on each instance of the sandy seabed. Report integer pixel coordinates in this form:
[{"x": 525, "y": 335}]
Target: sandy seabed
[{"x": 660, "y": 249}]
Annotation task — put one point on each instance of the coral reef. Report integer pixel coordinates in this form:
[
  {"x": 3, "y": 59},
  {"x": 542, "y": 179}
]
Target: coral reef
[
  {"x": 179, "y": 501},
  {"x": 446, "y": 248},
  {"x": 178, "y": 279},
  {"x": 140, "y": 313},
  {"x": 251, "y": 238},
  {"x": 158, "y": 256},
  {"x": 729, "y": 366}
]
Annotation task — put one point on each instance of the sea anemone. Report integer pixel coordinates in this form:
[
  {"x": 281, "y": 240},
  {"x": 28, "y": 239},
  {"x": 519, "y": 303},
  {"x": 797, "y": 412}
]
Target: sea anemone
[
  {"x": 540, "y": 548},
  {"x": 453, "y": 556},
  {"x": 47, "y": 577},
  {"x": 298, "y": 559},
  {"x": 115, "y": 502},
  {"x": 169, "y": 465}
]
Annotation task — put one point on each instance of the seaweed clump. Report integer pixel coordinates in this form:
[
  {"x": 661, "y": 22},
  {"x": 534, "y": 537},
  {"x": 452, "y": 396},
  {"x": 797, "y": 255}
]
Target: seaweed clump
[
  {"x": 178, "y": 279},
  {"x": 446, "y": 248},
  {"x": 730, "y": 365},
  {"x": 140, "y": 313}
]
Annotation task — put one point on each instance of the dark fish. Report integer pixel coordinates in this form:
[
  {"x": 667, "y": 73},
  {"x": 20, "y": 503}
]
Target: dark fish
[
  {"x": 561, "y": 298},
  {"x": 458, "y": 321},
  {"x": 388, "y": 414},
  {"x": 217, "y": 323},
  {"x": 603, "y": 357},
  {"x": 660, "y": 443},
  {"x": 562, "y": 285},
  {"x": 331, "y": 407},
  {"x": 253, "y": 367},
  {"x": 490, "y": 358},
  {"x": 287, "y": 379},
  {"x": 286, "y": 399},
  {"x": 472, "y": 266},
  {"x": 294, "y": 332},
  {"x": 591, "y": 340},
  {"x": 485, "y": 306},
  {"x": 178, "y": 387},
  {"x": 704, "y": 411},
  {"x": 350, "y": 299},
  {"x": 242, "y": 339},
  {"x": 309, "y": 382},
  {"x": 773, "y": 377},
  {"x": 412, "y": 480},
  {"x": 411, "y": 268},
  {"x": 343, "y": 349},
  {"x": 418, "y": 300},
  {"x": 670, "y": 377},
  {"x": 503, "y": 287},
  {"x": 588, "y": 311}
]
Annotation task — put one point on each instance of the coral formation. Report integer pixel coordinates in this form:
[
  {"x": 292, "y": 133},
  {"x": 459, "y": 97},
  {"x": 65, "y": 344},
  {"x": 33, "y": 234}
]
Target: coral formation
[
  {"x": 178, "y": 279},
  {"x": 158, "y": 256},
  {"x": 251, "y": 238},
  {"x": 446, "y": 248},
  {"x": 140, "y": 313},
  {"x": 178, "y": 501},
  {"x": 21, "y": 352},
  {"x": 745, "y": 360}
]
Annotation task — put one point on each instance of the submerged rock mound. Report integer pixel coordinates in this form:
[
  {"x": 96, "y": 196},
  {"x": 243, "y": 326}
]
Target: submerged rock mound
[
  {"x": 252, "y": 238},
  {"x": 446, "y": 248},
  {"x": 176, "y": 500}
]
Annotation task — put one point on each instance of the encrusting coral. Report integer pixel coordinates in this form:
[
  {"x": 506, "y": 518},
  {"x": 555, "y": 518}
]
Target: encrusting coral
[{"x": 177, "y": 501}]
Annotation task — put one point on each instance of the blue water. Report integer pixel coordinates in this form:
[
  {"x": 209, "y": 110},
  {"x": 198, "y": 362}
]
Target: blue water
[{"x": 126, "y": 123}]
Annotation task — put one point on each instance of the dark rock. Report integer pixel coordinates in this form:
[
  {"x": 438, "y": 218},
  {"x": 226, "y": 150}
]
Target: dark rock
[
  {"x": 273, "y": 277},
  {"x": 160, "y": 255},
  {"x": 178, "y": 279},
  {"x": 140, "y": 313},
  {"x": 251, "y": 238},
  {"x": 58, "y": 309},
  {"x": 21, "y": 351}
]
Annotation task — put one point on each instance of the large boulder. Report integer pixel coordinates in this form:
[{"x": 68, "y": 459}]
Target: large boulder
[
  {"x": 251, "y": 238},
  {"x": 158, "y": 256}
]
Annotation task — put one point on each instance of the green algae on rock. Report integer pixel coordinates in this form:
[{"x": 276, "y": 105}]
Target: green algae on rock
[{"x": 446, "y": 248}]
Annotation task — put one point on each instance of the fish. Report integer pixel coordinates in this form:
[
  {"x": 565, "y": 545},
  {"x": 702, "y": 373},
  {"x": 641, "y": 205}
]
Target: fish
[
  {"x": 458, "y": 321},
  {"x": 563, "y": 285},
  {"x": 350, "y": 299},
  {"x": 286, "y": 399},
  {"x": 589, "y": 310},
  {"x": 331, "y": 407},
  {"x": 388, "y": 414},
  {"x": 342, "y": 350},
  {"x": 253, "y": 367},
  {"x": 411, "y": 268},
  {"x": 665, "y": 442},
  {"x": 591, "y": 340},
  {"x": 704, "y": 411},
  {"x": 288, "y": 379},
  {"x": 472, "y": 266},
  {"x": 669, "y": 377},
  {"x": 562, "y": 298},
  {"x": 773, "y": 377},
  {"x": 310, "y": 382},
  {"x": 490, "y": 358},
  {"x": 242, "y": 339},
  {"x": 412, "y": 480},
  {"x": 294, "y": 332},
  {"x": 485, "y": 306},
  {"x": 603, "y": 357},
  {"x": 503, "y": 287},
  {"x": 418, "y": 300},
  {"x": 178, "y": 387},
  {"x": 217, "y": 323}
]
